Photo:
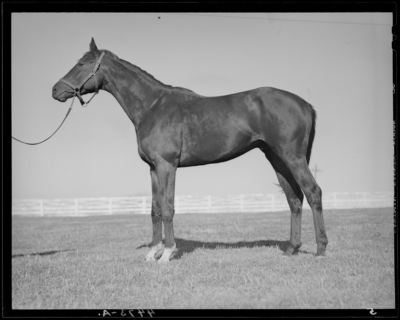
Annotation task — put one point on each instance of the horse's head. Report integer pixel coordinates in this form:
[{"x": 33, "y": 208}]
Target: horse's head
[{"x": 83, "y": 78}]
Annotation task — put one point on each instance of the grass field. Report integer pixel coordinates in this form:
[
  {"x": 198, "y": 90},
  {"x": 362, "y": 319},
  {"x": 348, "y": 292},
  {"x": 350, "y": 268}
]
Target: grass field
[{"x": 225, "y": 261}]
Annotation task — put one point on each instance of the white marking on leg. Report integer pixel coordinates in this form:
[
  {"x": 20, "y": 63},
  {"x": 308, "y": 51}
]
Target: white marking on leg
[
  {"x": 168, "y": 252},
  {"x": 151, "y": 255}
]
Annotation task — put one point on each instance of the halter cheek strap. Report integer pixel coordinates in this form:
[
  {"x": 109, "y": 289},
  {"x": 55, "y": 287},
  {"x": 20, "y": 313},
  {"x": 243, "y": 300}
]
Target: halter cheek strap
[{"x": 77, "y": 89}]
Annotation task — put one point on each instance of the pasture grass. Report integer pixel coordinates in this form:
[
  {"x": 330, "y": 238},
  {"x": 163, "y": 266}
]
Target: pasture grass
[{"x": 225, "y": 261}]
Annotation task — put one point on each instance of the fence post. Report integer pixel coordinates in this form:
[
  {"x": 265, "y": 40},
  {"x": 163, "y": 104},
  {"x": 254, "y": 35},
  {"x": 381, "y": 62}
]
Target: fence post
[
  {"x": 143, "y": 204},
  {"x": 76, "y": 206},
  {"x": 41, "y": 207},
  {"x": 109, "y": 205}
]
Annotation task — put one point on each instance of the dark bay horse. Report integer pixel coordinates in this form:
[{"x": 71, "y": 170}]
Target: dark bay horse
[{"x": 176, "y": 127}]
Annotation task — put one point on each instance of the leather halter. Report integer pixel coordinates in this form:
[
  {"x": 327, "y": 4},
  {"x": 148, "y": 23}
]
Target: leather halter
[{"x": 77, "y": 89}]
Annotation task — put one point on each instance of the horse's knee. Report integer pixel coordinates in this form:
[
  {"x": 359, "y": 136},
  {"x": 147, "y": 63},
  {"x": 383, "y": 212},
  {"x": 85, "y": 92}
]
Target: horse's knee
[{"x": 156, "y": 213}]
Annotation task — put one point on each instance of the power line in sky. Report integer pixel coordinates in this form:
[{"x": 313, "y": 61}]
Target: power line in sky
[
  {"x": 316, "y": 170},
  {"x": 259, "y": 18}
]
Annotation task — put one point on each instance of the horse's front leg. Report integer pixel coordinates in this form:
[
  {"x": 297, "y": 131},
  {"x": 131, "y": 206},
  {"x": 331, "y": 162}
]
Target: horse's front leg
[
  {"x": 157, "y": 247},
  {"x": 166, "y": 187}
]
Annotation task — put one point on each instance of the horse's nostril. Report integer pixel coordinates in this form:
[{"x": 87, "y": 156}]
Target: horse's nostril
[{"x": 54, "y": 89}]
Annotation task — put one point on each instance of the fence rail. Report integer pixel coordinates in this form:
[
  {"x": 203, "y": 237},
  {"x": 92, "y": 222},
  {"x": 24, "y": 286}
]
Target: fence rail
[{"x": 193, "y": 204}]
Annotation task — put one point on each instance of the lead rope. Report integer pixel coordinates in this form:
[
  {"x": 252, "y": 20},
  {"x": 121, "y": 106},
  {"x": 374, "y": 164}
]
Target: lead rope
[
  {"x": 76, "y": 93},
  {"x": 69, "y": 110}
]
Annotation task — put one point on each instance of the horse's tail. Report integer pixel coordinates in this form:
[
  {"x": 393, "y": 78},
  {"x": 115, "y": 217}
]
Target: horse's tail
[{"x": 312, "y": 132}]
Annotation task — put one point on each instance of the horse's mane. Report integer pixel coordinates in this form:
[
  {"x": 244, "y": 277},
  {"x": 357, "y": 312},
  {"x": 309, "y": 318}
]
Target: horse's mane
[{"x": 134, "y": 68}]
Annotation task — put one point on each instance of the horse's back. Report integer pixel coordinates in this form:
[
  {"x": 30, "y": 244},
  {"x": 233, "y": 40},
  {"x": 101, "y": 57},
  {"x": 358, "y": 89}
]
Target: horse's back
[
  {"x": 220, "y": 128},
  {"x": 262, "y": 113}
]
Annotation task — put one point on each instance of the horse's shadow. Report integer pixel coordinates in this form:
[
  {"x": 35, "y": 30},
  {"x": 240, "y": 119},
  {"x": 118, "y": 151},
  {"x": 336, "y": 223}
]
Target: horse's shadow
[
  {"x": 46, "y": 253},
  {"x": 188, "y": 246}
]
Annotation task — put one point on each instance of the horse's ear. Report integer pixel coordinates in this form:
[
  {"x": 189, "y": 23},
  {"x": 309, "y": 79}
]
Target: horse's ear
[{"x": 93, "y": 46}]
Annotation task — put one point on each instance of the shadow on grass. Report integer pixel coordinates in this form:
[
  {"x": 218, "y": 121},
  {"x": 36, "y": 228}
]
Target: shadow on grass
[
  {"x": 46, "y": 253},
  {"x": 188, "y": 246}
]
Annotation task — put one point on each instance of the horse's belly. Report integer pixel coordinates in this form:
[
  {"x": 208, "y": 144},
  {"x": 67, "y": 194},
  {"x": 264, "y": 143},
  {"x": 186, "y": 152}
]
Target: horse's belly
[{"x": 204, "y": 148}]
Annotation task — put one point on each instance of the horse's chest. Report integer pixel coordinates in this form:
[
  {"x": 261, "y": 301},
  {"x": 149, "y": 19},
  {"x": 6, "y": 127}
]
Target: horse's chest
[{"x": 159, "y": 142}]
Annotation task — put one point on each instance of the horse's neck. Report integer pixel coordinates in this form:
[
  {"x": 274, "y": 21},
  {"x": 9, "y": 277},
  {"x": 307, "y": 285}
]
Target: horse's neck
[{"x": 133, "y": 90}]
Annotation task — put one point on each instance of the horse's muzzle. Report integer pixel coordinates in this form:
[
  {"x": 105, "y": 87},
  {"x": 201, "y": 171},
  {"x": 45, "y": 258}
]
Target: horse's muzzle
[{"x": 61, "y": 92}]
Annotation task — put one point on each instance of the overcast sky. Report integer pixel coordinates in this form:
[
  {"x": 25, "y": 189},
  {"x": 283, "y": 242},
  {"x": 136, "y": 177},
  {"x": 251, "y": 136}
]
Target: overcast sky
[{"x": 341, "y": 63}]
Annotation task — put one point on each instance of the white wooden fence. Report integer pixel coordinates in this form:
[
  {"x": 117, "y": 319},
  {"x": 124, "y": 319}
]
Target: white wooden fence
[{"x": 193, "y": 204}]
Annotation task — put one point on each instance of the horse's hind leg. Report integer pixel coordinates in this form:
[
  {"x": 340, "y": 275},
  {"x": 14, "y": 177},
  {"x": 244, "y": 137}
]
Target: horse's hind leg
[
  {"x": 295, "y": 201},
  {"x": 157, "y": 247},
  {"x": 294, "y": 197},
  {"x": 302, "y": 174}
]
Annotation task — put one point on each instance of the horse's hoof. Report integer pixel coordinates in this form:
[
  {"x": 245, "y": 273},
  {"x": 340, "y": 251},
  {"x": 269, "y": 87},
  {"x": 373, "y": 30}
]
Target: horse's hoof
[
  {"x": 163, "y": 261},
  {"x": 321, "y": 251},
  {"x": 168, "y": 254},
  {"x": 291, "y": 251},
  {"x": 153, "y": 254},
  {"x": 288, "y": 252},
  {"x": 159, "y": 253}
]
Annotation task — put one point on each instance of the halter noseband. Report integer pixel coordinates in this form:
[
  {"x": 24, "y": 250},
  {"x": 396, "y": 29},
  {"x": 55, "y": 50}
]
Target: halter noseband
[{"x": 77, "y": 89}]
